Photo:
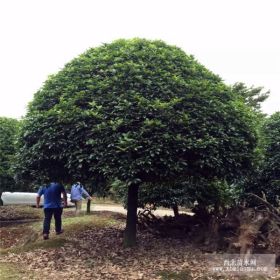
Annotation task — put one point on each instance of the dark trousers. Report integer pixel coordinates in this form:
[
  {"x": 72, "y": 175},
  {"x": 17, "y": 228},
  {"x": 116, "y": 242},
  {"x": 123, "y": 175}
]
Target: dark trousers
[{"x": 49, "y": 212}]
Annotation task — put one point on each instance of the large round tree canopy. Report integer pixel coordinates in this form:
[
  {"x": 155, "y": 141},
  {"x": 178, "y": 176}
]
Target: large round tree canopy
[{"x": 139, "y": 111}]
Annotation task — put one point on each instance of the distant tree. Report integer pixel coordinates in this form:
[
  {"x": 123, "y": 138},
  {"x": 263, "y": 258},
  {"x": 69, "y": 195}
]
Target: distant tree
[
  {"x": 264, "y": 179},
  {"x": 252, "y": 96},
  {"x": 8, "y": 135},
  {"x": 270, "y": 176},
  {"x": 140, "y": 111}
]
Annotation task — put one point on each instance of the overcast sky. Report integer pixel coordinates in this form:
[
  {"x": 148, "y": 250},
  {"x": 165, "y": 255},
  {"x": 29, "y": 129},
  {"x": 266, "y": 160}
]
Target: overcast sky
[{"x": 236, "y": 39}]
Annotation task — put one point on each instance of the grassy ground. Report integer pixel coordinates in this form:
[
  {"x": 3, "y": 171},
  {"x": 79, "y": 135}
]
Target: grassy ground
[
  {"x": 29, "y": 234},
  {"x": 13, "y": 272},
  {"x": 100, "y": 200},
  {"x": 91, "y": 248},
  {"x": 18, "y": 238}
]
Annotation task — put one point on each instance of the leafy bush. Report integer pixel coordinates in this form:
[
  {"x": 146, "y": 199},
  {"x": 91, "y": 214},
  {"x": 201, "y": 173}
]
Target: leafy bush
[{"x": 8, "y": 135}]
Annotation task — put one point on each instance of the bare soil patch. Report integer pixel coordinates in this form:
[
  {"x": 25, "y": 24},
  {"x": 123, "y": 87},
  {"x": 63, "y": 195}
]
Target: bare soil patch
[{"x": 16, "y": 213}]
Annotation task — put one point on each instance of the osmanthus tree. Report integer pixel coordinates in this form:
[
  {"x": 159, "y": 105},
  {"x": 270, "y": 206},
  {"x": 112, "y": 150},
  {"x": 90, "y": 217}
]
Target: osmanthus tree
[
  {"x": 140, "y": 111},
  {"x": 9, "y": 128}
]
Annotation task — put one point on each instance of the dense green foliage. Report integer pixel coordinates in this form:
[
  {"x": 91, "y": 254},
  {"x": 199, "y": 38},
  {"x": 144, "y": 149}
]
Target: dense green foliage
[
  {"x": 139, "y": 111},
  {"x": 264, "y": 179},
  {"x": 8, "y": 135},
  {"x": 270, "y": 176}
]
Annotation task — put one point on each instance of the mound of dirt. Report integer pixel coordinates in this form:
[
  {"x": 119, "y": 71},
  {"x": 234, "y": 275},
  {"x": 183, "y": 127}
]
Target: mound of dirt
[{"x": 16, "y": 213}]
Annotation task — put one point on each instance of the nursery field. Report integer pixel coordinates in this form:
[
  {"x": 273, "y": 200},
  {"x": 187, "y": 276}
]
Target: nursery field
[{"x": 92, "y": 248}]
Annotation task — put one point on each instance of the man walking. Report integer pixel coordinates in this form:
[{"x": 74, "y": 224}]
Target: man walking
[
  {"x": 77, "y": 193},
  {"x": 52, "y": 206}
]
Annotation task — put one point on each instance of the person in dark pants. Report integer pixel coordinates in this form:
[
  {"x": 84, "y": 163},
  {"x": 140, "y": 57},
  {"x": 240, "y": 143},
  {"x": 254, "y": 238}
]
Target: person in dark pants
[{"x": 52, "y": 206}]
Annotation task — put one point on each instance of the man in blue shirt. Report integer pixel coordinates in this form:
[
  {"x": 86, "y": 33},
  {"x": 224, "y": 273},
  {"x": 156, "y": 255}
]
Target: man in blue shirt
[
  {"x": 77, "y": 192},
  {"x": 52, "y": 206}
]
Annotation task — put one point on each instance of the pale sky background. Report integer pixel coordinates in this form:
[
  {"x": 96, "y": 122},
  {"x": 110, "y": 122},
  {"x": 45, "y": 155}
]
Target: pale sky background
[{"x": 236, "y": 39}]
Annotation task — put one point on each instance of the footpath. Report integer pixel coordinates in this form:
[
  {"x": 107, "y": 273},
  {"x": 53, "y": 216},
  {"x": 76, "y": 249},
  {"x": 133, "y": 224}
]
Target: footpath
[{"x": 120, "y": 209}]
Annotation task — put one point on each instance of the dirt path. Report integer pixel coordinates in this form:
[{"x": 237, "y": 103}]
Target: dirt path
[{"x": 120, "y": 209}]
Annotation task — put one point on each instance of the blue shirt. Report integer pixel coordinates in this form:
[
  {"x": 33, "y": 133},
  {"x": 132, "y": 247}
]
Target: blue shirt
[
  {"x": 52, "y": 195},
  {"x": 77, "y": 192}
]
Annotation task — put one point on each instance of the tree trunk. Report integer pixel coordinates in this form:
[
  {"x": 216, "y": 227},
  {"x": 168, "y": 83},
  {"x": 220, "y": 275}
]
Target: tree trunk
[
  {"x": 131, "y": 219},
  {"x": 175, "y": 210},
  {"x": 88, "y": 206}
]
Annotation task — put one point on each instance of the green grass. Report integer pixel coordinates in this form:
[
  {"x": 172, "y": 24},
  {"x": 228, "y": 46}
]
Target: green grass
[
  {"x": 100, "y": 200},
  {"x": 71, "y": 225},
  {"x": 87, "y": 220},
  {"x": 13, "y": 272}
]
